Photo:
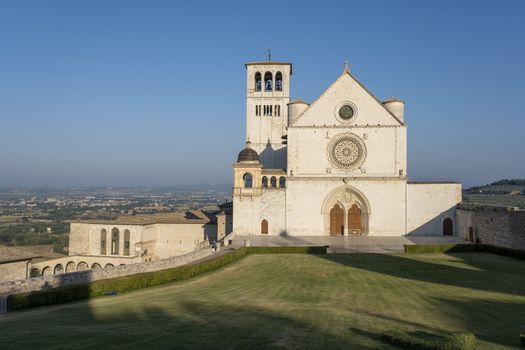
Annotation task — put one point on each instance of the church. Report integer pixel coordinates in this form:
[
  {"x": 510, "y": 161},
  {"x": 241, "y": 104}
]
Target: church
[{"x": 335, "y": 166}]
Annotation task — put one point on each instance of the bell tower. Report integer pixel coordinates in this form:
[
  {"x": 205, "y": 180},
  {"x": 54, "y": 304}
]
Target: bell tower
[{"x": 267, "y": 96}]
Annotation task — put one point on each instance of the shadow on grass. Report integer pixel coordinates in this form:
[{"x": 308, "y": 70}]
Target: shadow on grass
[
  {"x": 497, "y": 277},
  {"x": 493, "y": 320},
  {"x": 183, "y": 325}
]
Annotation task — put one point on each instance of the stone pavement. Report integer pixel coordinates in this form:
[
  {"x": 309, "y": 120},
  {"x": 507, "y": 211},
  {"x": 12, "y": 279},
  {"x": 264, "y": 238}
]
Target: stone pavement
[{"x": 345, "y": 244}]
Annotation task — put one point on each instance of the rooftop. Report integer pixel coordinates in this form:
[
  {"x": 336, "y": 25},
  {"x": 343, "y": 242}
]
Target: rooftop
[
  {"x": 10, "y": 254},
  {"x": 187, "y": 217}
]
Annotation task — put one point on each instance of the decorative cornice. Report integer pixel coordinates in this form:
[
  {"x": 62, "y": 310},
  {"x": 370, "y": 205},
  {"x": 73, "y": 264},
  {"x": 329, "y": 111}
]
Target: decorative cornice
[
  {"x": 367, "y": 126},
  {"x": 346, "y": 179}
]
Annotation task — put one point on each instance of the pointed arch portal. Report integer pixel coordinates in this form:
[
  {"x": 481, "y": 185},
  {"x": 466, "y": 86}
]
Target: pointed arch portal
[{"x": 346, "y": 211}]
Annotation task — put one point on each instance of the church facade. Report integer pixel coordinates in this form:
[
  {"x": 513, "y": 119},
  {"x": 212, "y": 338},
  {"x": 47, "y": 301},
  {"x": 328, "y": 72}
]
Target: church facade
[{"x": 336, "y": 166}]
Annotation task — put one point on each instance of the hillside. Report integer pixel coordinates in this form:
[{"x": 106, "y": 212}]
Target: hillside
[
  {"x": 503, "y": 192},
  {"x": 290, "y": 301}
]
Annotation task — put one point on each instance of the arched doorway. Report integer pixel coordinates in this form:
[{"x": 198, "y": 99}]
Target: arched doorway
[
  {"x": 337, "y": 220},
  {"x": 448, "y": 227},
  {"x": 355, "y": 226},
  {"x": 264, "y": 227}
]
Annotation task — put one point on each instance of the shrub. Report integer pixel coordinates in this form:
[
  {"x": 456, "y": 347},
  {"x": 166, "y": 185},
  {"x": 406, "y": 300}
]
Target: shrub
[
  {"x": 128, "y": 283},
  {"x": 461, "y": 248},
  {"x": 406, "y": 341},
  {"x": 440, "y": 248},
  {"x": 458, "y": 341}
]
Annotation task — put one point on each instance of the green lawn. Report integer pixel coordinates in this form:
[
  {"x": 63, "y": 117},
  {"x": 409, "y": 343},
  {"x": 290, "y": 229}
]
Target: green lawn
[{"x": 296, "y": 302}]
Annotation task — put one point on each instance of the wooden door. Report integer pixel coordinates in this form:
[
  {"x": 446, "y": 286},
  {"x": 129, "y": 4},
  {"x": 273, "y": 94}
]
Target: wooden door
[
  {"x": 448, "y": 228},
  {"x": 354, "y": 220},
  {"x": 264, "y": 227},
  {"x": 337, "y": 220}
]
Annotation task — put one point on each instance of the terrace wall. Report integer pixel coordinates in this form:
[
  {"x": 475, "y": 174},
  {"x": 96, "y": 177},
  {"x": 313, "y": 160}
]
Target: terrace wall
[{"x": 489, "y": 224}]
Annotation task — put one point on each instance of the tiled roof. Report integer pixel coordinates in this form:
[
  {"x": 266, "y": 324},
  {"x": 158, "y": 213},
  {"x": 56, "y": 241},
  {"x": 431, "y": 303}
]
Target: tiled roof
[
  {"x": 187, "y": 217},
  {"x": 9, "y": 254}
]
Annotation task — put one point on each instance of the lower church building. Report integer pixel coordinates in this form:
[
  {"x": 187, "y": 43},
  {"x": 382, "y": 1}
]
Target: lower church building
[{"x": 336, "y": 166}]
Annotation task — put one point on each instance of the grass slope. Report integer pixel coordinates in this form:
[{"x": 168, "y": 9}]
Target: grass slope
[{"x": 297, "y": 302}]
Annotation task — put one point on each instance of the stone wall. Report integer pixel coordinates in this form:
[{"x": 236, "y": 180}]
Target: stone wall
[
  {"x": 489, "y": 224},
  {"x": 45, "y": 282},
  {"x": 14, "y": 270}
]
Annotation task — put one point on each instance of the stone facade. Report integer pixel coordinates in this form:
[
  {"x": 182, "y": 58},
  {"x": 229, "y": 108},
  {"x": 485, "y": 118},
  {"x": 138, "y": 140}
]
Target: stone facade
[
  {"x": 495, "y": 225},
  {"x": 345, "y": 171},
  {"x": 15, "y": 270}
]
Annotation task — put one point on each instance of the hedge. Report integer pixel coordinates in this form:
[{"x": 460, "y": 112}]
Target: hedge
[
  {"x": 128, "y": 283},
  {"x": 458, "y": 341},
  {"x": 460, "y": 248}
]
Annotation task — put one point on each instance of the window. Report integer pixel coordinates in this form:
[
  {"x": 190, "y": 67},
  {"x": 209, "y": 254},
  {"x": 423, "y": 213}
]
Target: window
[
  {"x": 268, "y": 81},
  {"x": 247, "y": 180},
  {"x": 257, "y": 81},
  {"x": 103, "y": 240},
  {"x": 126, "y": 242},
  {"x": 273, "y": 181},
  {"x": 115, "y": 238},
  {"x": 282, "y": 181},
  {"x": 264, "y": 181},
  {"x": 278, "y": 81}
]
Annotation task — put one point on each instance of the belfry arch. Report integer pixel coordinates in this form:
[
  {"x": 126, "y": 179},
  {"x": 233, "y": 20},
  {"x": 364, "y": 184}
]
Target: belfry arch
[{"x": 355, "y": 208}]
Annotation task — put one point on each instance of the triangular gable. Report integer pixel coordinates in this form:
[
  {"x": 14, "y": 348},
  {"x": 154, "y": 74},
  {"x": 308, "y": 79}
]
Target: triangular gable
[{"x": 347, "y": 88}]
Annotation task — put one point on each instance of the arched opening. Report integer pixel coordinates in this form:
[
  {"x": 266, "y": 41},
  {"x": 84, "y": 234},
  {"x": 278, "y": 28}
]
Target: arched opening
[
  {"x": 282, "y": 181},
  {"x": 355, "y": 225},
  {"x": 247, "y": 178},
  {"x": 448, "y": 227},
  {"x": 103, "y": 240},
  {"x": 273, "y": 181},
  {"x": 354, "y": 219},
  {"x": 126, "y": 242},
  {"x": 58, "y": 269},
  {"x": 268, "y": 81},
  {"x": 257, "y": 81},
  {"x": 278, "y": 81},
  {"x": 337, "y": 220},
  {"x": 96, "y": 266},
  {"x": 70, "y": 267},
  {"x": 34, "y": 272},
  {"x": 82, "y": 266},
  {"x": 108, "y": 265},
  {"x": 264, "y": 181},
  {"x": 115, "y": 238},
  {"x": 264, "y": 227},
  {"x": 46, "y": 271}
]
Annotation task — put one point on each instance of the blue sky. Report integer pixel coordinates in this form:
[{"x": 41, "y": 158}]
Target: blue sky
[{"x": 152, "y": 92}]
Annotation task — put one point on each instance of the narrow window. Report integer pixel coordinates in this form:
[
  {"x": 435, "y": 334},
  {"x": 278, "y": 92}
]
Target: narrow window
[
  {"x": 282, "y": 181},
  {"x": 247, "y": 180},
  {"x": 278, "y": 81},
  {"x": 268, "y": 81},
  {"x": 257, "y": 81},
  {"x": 103, "y": 240},
  {"x": 271, "y": 109},
  {"x": 264, "y": 181},
  {"x": 273, "y": 181},
  {"x": 126, "y": 242},
  {"x": 115, "y": 238}
]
